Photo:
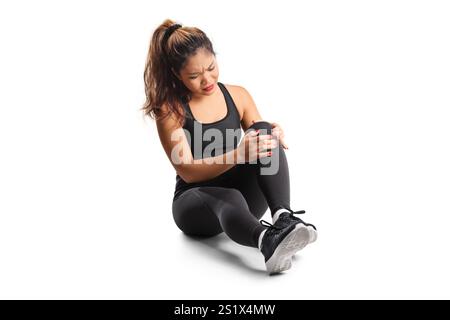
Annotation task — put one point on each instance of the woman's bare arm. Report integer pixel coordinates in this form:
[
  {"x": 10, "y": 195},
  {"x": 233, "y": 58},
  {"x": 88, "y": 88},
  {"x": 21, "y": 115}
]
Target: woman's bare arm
[
  {"x": 176, "y": 146},
  {"x": 250, "y": 111}
]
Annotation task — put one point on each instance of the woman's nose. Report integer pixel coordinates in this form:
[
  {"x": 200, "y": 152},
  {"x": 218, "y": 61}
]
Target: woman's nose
[{"x": 207, "y": 81}]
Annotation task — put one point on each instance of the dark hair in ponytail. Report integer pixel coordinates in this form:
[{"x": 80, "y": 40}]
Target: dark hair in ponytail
[{"x": 162, "y": 87}]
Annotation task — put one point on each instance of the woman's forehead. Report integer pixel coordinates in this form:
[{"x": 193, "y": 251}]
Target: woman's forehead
[{"x": 202, "y": 59}]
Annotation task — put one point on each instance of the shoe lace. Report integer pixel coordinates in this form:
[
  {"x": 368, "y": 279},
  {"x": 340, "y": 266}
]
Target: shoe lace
[
  {"x": 302, "y": 212},
  {"x": 296, "y": 212},
  {"x": 269, "y": 225}
]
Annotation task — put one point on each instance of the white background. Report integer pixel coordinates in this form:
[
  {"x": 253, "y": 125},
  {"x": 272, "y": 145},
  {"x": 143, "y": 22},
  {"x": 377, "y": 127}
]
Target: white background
[{"x": 361, "y": 89}]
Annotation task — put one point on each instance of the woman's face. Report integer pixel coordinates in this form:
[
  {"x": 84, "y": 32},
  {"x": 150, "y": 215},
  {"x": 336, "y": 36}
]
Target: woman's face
[{"x": 200, "y": 72}]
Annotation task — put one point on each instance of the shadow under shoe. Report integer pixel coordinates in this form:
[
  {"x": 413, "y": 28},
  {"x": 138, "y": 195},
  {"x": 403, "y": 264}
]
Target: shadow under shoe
[
  {"x": 279, "y": 244},
  {"x": 287, "y": 219}
]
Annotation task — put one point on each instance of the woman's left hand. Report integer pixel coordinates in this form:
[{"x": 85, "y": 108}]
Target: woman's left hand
[{"x": 278, "y": 132}]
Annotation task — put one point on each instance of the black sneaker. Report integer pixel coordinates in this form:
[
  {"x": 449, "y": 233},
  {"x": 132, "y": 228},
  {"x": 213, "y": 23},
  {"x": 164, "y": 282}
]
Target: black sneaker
[
  {"x": 279, "y": 244},
  {"x": 286, "y": 219}
]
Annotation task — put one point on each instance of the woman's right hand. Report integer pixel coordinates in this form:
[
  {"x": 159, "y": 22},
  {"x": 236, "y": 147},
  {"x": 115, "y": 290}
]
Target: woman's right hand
[{"x": 254, "y": 146}]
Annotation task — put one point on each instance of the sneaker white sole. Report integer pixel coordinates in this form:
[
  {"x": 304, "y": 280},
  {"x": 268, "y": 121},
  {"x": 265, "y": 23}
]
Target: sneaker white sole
[
  {"x": 312, "y": 234},
  {"x": 296, "y": 240}
]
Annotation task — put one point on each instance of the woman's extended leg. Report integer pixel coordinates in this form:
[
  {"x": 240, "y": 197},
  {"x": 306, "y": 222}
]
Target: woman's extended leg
[{"x": 207, "y": 211}]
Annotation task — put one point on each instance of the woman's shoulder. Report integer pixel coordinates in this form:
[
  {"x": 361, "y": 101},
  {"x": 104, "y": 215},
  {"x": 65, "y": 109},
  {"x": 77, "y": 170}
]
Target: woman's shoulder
[
  {"x": 240, "y": 96},
  {"x": 167, "y": 120},
  {"x": 238, "y": 91},
  {"x": 234, "y": 88}
]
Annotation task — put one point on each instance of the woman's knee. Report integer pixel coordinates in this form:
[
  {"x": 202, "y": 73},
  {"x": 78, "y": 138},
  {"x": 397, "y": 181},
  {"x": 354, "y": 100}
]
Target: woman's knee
[
  {"x": 192, "y": 226},
  {"x": 263, "y": 125},
  {"x": 192, "y": 218}
]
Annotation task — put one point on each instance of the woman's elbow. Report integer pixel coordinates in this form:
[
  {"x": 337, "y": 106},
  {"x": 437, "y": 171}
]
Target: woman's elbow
[
  {"x": 186, "y": 176},
  {"x": 187, "y": 179}
]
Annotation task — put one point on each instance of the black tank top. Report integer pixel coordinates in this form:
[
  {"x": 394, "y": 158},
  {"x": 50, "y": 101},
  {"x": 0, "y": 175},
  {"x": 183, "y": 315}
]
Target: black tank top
[{"x": 210, "y": 139}]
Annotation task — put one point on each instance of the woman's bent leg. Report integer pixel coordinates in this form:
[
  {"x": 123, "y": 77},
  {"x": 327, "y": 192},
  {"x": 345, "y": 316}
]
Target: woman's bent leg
[{"x": 265, "y": 183}]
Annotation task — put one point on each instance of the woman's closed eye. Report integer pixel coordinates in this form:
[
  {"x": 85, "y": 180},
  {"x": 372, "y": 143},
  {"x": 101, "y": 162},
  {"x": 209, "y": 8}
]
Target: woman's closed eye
[{"x": 211, "y": 69}]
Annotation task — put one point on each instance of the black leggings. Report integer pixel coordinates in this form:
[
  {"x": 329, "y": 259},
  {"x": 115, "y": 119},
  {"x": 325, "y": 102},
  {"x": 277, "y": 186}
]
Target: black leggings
[{"x": 235, "y": 200}]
